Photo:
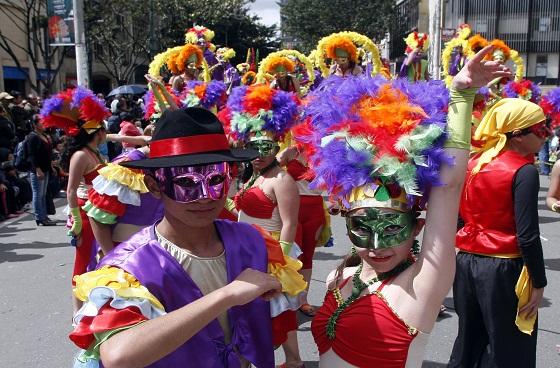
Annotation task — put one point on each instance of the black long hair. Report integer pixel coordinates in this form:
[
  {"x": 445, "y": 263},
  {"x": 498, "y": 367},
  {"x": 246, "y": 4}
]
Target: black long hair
[{"x": 73, "y": 144}]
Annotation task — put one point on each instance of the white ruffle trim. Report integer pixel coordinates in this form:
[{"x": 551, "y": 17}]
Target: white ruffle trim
[
  {"x": 284, "y": 302},
  {"x": 113, "y": 188},
  {"x": 100, "y": 295}
]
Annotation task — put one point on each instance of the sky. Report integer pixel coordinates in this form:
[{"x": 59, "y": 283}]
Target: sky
[{"x": 267, "y": 10}]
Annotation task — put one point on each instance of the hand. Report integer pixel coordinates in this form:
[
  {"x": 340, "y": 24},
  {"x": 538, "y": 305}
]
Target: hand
[
  {"x": 40, "y": 173},
  {"x": 477, "y": 72},
  {"x": 532, "y": 307},
  {"x": 3, "y": 188},
  {"x": 250, "y": 284}
]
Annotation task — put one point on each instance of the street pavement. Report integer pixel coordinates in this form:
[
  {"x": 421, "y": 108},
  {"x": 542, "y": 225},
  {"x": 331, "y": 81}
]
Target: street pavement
[{"x": 35, "y": 305}]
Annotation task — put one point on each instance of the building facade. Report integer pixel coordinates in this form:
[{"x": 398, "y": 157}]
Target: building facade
[{"x": 532, "y": 27}]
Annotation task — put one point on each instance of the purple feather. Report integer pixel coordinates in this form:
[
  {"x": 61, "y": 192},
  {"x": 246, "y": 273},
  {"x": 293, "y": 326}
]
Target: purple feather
[
  {"x": 215, "y": 91},
  {"x": 78, "y": 94},
  {"x": 51, "y": 105}
]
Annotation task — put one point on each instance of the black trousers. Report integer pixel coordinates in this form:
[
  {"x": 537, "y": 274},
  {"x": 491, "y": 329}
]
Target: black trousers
[{"x": 486, "y": 304}]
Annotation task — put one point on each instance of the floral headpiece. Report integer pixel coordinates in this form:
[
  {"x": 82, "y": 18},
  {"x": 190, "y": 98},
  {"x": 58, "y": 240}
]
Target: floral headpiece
[
  {"x": 208, "y": 95},
  {"x": 282, "y": 59},
  {"x": 524, "y": 89},
  {"x": 551, "y": 107},
  {"x": 346, "y": 40},
  {"x": 177, "y": 62},
  {"x": 262, "y": 110},
  {"x": 225, "y": 53},
  {"x": 338, "y": 43},
  {"x": 417, "y": 40},
  {"x": 371, "y": 141},
  {"x": 199, "y": 33},
  {"x": 174, "y": 57},
  {"x": 74, "y": 109}
]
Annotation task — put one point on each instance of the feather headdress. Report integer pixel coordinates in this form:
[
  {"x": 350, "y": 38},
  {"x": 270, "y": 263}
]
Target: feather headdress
[
  {"x": 208, "y": 95},
  {"x": 417, "y": 40},
  {"x": 196, "y": 33},
  {"x": 340, "y": 42},
  {"x": 524, "y": 89},
  {"x": 369, "y": 138},
  {"x": 259, "y": 108},
  {"x": 551, "y": 107},
  {"x": 225, "y": 53},
  {"x": 74, "y": 109}
]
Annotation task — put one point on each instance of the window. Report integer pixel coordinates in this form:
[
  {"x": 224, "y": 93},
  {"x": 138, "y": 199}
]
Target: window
[{"x": 542, "y": 62}]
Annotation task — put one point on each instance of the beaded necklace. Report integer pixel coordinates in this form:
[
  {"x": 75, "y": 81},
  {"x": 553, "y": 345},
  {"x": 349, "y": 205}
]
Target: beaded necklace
[{"x": 358, "y": 286}]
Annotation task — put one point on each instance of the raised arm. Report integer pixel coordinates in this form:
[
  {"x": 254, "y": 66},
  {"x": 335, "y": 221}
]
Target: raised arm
[{"x": 437, "y": 260}]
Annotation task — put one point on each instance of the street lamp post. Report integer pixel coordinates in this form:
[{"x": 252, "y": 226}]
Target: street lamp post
[
  {"x": 80, "y": 42},
  {"x": 434, "y": 55}
]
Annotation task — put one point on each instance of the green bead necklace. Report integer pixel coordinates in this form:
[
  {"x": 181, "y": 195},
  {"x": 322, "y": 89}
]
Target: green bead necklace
[{"x": 358, "y": 286}]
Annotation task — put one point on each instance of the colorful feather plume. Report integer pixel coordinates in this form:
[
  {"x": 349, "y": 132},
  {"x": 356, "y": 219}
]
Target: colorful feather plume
[
  {"x": 524, "y": 89},
  {"x": 259, "y": 108},
  {"x": 370, "y": 132},
  {"x": 73, "y": 109},
  {"x": 207, "y": 95},
  {"x": 551, "y": 107}
]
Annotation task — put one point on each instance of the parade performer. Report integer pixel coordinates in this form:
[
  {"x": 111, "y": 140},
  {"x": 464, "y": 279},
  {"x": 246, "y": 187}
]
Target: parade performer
[
  {"x": 187, "y": 288},
  {"x": 185, "y": 62},
  {"x": 202, "y": 37},
  {"x": 415, "y": 67},
  {"x": 500, "y": 276},
  {"x": 381, "y": 149},
  {"x": 503, "y": 54},
  {"x": 342, "y": 49},
  {"x": 458, "y": 50},
  {"x": 259, "y": 117},
  {"x": 313, "y": 220},
  {"x": 551, "y": 107},
  {"x": 231, "y": 77},
  {"x": 279, "y": 66},
  {"x": 80, "y": 114}
]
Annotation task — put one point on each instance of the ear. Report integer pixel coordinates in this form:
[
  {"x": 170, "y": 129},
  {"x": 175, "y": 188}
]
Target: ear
[
  {"x": 152, "y": 185},
  {"x": 419, "y": 226}
]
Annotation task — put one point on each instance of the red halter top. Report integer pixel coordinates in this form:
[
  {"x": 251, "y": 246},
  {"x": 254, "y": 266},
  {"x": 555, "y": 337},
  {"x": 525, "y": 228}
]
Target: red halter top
[
  {"x": 255, "y": 203},
  {"x": 368, "y": 332}
]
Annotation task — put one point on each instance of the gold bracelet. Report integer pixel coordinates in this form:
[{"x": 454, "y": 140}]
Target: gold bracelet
[{"x": 555, "y": 207}]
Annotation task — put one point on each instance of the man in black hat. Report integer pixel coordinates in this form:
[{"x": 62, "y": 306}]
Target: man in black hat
[{"x": 184, "y": 291}]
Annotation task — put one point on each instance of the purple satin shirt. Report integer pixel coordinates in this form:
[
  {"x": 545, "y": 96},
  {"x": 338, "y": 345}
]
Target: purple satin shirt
[{"x": 143, "y": 257}]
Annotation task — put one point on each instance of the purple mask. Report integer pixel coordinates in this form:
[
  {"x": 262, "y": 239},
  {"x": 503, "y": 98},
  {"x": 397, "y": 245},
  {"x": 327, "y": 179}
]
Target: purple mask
[{"x": 186, "y": 184}]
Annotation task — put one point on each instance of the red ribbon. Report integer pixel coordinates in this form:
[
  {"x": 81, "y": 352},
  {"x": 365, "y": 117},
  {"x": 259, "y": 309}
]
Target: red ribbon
[{"x": 188, "y": 145}]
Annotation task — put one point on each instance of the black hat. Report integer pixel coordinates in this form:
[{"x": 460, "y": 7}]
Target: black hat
[{"x": 191, "y": 136}]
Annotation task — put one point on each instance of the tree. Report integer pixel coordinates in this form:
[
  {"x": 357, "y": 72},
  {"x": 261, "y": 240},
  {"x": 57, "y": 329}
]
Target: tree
[
  {"x": 127, "y": 33},
  {"x": 229, "y": 19},
  {"x": 28, "y": 20},
  {"x": 307, "y": 21},
  {"x": 117, "y": 34}
]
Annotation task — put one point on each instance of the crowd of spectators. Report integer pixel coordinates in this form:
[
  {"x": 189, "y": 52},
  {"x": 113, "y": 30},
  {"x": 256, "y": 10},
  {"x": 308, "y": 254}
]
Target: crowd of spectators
[{"x": 30, "y": 174}]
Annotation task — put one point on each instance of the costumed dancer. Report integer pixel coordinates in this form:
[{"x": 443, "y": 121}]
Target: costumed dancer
[
  {"x": 187, "y": 288},
  {"x": 500, "y": 275},
  {"x": 80, "y": 114},
  {"x": 231, "y": 77},
  {"x": 281, "y": 68},
  {"x": 342, "y": 49},
  {"x": 259, "y": 117},
  {"x": 415, "y": 67},
  {"x": 313, "y": 219},
  {"x": 202, "y": 37},
  {"x": 503, "y": 54},
  {"x": 381, "y": 149}
]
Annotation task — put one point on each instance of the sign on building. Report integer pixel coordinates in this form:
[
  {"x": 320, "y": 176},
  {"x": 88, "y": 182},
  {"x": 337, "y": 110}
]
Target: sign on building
[{"x": 61, "y": 22}]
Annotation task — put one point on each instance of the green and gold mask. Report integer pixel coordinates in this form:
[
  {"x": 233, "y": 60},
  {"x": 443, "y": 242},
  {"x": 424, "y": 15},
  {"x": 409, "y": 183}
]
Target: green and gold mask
[
  {"x": 374, "y": 228},
  {"x": 265, "y": 148}
]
